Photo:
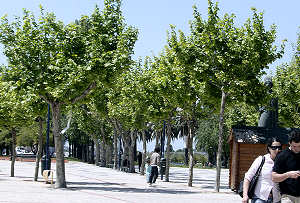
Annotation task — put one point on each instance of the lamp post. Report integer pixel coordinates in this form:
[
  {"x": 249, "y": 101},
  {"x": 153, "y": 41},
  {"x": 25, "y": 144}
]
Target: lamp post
[{"x": 162, "y": 141}]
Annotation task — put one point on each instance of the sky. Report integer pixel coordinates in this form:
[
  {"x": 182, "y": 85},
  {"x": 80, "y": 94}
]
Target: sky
[{"x": 153, "y": 19}]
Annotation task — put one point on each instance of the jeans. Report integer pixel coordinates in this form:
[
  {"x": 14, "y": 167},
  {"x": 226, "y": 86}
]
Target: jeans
[
  {"x": 153, "y": 174},
  {"x": 257, "y": 200}
]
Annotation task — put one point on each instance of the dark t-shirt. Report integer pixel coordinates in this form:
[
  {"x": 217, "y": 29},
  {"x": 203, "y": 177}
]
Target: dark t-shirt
[{"x": 288, "y": 161}]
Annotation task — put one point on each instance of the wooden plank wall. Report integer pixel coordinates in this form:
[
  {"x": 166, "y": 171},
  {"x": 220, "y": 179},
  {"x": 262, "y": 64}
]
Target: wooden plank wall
[
  {"x": 248, "y": 153},
  {"x": 242, "y": 156}
]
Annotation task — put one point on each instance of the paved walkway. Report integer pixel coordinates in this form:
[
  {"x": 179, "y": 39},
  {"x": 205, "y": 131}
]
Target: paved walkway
[{"x": 92, "y": 184}]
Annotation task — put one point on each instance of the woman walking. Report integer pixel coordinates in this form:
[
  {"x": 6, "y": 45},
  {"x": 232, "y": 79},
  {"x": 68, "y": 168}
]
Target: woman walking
[{"x": 266, "y": 191}]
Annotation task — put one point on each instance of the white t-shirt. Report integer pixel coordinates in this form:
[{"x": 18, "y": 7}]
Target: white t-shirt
[{"x": 264, "y": 184}]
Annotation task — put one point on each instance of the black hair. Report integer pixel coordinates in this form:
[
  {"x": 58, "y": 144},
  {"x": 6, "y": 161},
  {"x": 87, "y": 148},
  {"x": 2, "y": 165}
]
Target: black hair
[
  {"x": 157, "y": 149},
  {"x": 294, "y": 137},
  {"x": 270, "y": 142}
]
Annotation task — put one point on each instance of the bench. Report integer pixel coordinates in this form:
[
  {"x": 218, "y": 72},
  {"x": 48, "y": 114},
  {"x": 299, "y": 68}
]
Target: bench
[
  {"x": 46, "y": 174},
  {"x": 110, "y": 165}
]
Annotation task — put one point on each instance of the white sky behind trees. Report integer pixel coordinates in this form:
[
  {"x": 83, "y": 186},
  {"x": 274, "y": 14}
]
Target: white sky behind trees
[{"x": 153, "y": 19}]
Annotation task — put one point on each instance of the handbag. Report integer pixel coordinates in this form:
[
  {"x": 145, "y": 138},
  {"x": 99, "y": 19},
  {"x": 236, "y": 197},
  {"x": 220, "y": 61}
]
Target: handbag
[{"x": 252, "y": 182}]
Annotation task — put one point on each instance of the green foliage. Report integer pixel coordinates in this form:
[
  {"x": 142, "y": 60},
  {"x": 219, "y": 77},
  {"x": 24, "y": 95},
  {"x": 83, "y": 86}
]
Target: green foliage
[
  {"x": 242, "y": 114},
  {"x": 287, "y": 90},
  {"x": 63, "y": 63},
  {"x": 14, "y": 108},
  {"x": 75, "y": 134},
  {"x": 133, "y": 99},
  {"x": 207, "y": 135},
  {"x": 178, "y": 157},
  {"x": 59, "y": 62},
  {"x": 29, "y": 135},
  {"x": 231, "y": 58},
  {"x": 5, "y": 137}
]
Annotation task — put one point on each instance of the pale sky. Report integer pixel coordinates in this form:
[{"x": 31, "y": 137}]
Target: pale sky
[{"x": 153, "y": 18}]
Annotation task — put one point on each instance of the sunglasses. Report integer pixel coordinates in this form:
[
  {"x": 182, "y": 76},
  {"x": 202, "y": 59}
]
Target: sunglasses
[{"x": 276, "y": 147}]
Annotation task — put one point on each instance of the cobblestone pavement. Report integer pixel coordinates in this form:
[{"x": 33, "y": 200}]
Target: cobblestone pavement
[{"x": 93, "y": 184}]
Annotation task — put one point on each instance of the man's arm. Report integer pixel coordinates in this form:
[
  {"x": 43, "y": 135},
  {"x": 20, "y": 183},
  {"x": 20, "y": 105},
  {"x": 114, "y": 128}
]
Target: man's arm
[{"x": 277, "y": 177}]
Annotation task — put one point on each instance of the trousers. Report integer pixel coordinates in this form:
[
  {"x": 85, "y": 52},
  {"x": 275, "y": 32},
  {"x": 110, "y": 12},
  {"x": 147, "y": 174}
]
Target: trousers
[{"x": 153, "y": 174}]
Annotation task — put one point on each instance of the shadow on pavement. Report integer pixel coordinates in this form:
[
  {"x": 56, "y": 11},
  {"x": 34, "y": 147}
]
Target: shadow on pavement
[
  {"x": 92, "y": 186},
  {"x": 92, "y": 183}
]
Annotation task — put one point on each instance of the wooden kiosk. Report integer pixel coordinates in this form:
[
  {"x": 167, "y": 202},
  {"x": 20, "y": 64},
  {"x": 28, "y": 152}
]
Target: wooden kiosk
[{"x": 247, "y": 143}]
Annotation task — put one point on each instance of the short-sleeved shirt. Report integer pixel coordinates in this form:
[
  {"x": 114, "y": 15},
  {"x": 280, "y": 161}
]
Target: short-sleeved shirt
[
  {"x": 264, "y": 184},
  {"x": 288, "y": 161}
]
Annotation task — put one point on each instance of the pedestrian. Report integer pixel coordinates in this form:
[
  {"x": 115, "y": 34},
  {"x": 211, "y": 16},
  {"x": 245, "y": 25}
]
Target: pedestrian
[
  {"x": 125, "y": 163},
  {"x": 154, "y": 162},
  {"x": 148, "y": 169},
  {"x": 286, "y": 170},
  {"x": 265, "y": 190},
  {"x": 139, "y": 159}
]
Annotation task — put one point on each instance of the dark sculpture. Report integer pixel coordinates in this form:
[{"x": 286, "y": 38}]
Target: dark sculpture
[{"x": 269, "y": 115}]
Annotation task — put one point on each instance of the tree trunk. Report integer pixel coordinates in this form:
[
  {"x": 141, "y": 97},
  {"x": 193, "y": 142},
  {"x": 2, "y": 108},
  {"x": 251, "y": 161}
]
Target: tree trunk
[
  {"x": 117, "y": 133},
  {"x": 40, "y": 149},
  {"x": 59, "y": 147},
  {"x": 126, "y": 142},
  {"x": 92, "y": 152},
  {"x": 115, "y": 149},
  {"x": 74, "y": 149},
  {"x": 102, "y": 154},
  {"x": 220, "y": 144},
  {"x": 70, "y": 149},
  {"x": 144, "y": 152},
  {"x": 157, "y": 140},
  {"x": 96, "y": 141},
  {"x": 108, "y": 155},
  {"x": 13, "y": 152},
  {"x": 169, "y": 133},
  {"x": 103, "y": 149},
  {"x": 83, "y": 153},
  {"x": 131, "y": 144},
  {"x": 191, "y": 154},
  {"x": 87, "y": 150}
]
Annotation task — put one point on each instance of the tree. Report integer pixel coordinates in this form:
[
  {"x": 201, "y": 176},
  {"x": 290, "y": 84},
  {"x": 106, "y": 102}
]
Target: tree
[
  {"x": 127, "y": 107},
  {"x": 286, "y": 89},
  {"x": 62, "y": 63},
  {"x": 190, "y": 95},
  {"x": 231, "y": 59},
  {"x": 14, "y": 113}
]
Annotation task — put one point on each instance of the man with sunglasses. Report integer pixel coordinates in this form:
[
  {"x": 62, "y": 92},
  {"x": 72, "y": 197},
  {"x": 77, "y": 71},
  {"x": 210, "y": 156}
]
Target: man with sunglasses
[{"x": 286, "y": 170}]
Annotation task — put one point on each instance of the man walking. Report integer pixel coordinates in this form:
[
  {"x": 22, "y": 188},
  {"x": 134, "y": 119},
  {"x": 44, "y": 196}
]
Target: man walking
[
  {"x": 286, "y": 170},
  {"x": 139, "y": 159},
  {"x": 154, "y": 163}
]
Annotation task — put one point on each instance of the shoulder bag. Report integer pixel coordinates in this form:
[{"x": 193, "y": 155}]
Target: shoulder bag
[{"x": 252, "y": 182}]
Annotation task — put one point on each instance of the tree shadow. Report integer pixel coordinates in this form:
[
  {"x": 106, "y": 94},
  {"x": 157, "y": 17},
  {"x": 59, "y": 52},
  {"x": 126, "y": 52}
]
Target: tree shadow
[
  {"x": 94, "y": 183},
  {"x": 77, "y": 186}
]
